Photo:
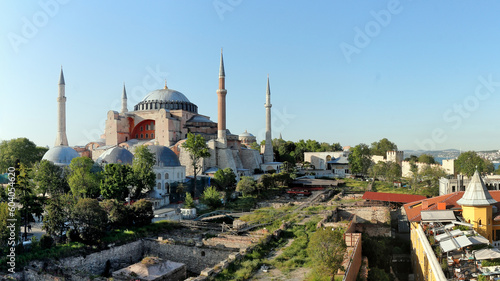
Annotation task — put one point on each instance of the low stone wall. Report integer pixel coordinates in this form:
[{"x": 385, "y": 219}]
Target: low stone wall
[{"x": 195, "y": 258}]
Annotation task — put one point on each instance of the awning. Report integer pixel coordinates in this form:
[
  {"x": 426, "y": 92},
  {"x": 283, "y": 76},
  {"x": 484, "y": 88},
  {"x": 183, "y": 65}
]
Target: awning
[
  {"x": 478, "y": 240},
  {"x": 438, "y": 216},
  {"x": 487, "y": 254}
]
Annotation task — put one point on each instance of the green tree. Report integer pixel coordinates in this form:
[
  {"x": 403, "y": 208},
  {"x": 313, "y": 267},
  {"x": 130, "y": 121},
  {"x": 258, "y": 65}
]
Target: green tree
[
  {"x": 225, "y": 180},
  {"x": 426, "y": 158},
  {"x": 381, "y": 147},
  {"x": 378, "y": 170},
  {"x": 21, "y": 148},
  {"x": 90, "y": 220},
  {"x": 377, "y": 274},
  {"x": 143, "y": 212},
  {"x": 337, "y": 147},
  {"x": 211, "y": 197},
  {"x": 50, "y": 178},
  {"x": 5, "y": 213},
  {"x": 188, "y": 202},
  {"x": 326, "y": 249},
  {"x": 246, "y": 185},
  {"x": 431, "y": 176},
  {"x": 58, "y": 214},
  {"x": 393, "y": 171},
  {"x": 412, "y": 158},
  {"x": 142, "y": 168},
  {"x": 255, "y": 145},
  {"x": 360, "y": 159},
  {"x": 82, "y": 181},
  {"x": 118, "y": 214},
  {"x": 115, "y": 181},
  {"x": 197, "y": 148},
  {"x": 30, "y": 203},
  {"x": 469, "y": 161}
]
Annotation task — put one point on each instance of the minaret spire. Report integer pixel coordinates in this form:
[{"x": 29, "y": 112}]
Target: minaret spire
[
  {"x": 268, "y": 148},
  {"x": 61, "y": 139},
  {"x": 124, "y": 100},
  {"x": 221, "y": 93}
]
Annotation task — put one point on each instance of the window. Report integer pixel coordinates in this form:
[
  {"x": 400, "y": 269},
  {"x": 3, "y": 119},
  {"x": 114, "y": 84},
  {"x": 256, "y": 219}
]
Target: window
[
  {"x": 152, "y": 126},
  {"x": 152, "y": 136},
  {"x": 159, "y": 176},
  {"x": 142, "y": 136},
  {"x": 159, "y": 185},
  {"x": 147, "y": 127},
  {"x": 142, "y": 129},
  {"x": 136, "y": 136},
  {"x": 126, "y": 138},
  {"x": 147, "y": 135},
  {"x": 166, "y": 176}
]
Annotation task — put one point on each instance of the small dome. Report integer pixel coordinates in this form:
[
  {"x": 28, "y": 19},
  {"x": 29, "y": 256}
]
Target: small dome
[
  {"x": 164, "y": 156},
  {"x": 165, "y": 95},
  {"x": 246, "y": 134},
  {"x": 61, "y": 155},
  {"x": 116, "y": 155}
]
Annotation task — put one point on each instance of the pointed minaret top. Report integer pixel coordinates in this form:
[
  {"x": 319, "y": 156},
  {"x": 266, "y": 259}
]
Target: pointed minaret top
[
  {"x": 476, "y": 193},
  {"x": 268, "y": 91},
  {"x": 221, "y": 69},
  {"x": 124, "y": 95},
  {"x": 166, "y": 84},
  {"x": 61, "y": 77}
]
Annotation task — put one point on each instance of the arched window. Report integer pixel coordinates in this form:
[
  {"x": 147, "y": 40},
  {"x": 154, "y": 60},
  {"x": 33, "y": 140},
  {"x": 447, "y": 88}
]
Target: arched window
[
  {"x": 147, "y": 135},
  {"x": 159, "y": 185},
  {"x": 479, "y": 222},
  {"x": 159, "y": 176},
  {"x": 142, "y": 128},
  {"x": 166, "y": 176}
]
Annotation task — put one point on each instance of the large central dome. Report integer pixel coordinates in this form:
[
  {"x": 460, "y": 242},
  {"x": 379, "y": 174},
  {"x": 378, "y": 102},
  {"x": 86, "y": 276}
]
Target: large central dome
[
  {"x": 165, "y": 95},
  {"x": 168, "y": 99}
]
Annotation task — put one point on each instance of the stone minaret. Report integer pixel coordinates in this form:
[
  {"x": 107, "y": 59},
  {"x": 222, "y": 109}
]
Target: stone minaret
[
  {"x": 61, "y": 139},
  {"x": 124, "y": 100},
  {"x": 268, "y": 149},
  {"x": 221, "y": 93}
]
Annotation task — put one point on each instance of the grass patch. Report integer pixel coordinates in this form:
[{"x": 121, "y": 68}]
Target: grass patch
[
  {"x": 355, "y": 184},
  {"x": 295, "y": 255},
  {"x": 382, "y": 186}
]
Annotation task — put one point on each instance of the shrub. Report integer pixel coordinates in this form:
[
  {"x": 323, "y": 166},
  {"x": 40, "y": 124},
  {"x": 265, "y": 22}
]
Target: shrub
[
  {"x": 188, "y": 202},
  {"x": 211, "y": 197},
  {"x": 142, "y": 212},
  {"x": 46, "y": 241}
]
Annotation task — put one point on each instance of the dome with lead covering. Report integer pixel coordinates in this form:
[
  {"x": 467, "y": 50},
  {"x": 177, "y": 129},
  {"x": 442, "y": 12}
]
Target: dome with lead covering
[
  {"x": 60, "y": 155},
  {"x": 116, "y": 155},
  {"x": 168, "y": 99},
  {"x": 165, "y": 157}
]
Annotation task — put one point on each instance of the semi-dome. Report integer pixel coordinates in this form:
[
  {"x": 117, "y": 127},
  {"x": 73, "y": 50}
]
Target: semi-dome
[
  {"x": 168, "y": 99},
  {"x": 165, "y": 157},
  {"x": 60, "y": 155},
  {"x": 116, "y": 155}
]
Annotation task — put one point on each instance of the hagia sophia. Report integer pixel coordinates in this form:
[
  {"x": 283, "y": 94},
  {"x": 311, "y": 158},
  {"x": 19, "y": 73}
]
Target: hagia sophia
[{"x": 162, "y": 120}]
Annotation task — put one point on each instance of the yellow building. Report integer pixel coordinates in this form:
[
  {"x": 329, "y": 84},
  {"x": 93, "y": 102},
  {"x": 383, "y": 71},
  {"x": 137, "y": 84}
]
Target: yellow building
[{"x": 476, "y": 207}]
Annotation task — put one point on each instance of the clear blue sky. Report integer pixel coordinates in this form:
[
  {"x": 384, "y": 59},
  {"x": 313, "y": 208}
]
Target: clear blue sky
[{"x": 340, "y": 71}]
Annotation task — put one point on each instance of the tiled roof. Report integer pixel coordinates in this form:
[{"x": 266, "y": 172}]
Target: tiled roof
[
  {"x": 392, "y": 197},
  {"x": 413, "y": 209}
]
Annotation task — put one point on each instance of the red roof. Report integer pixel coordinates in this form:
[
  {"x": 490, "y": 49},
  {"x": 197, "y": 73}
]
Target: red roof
[
  {"x": 392, "y": 197},
  {"x": 413, "y": 209}
]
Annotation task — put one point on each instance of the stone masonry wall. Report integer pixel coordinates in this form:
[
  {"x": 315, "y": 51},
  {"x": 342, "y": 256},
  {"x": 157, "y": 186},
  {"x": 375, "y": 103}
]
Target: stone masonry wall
[{"x": 195, "y": 258}]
